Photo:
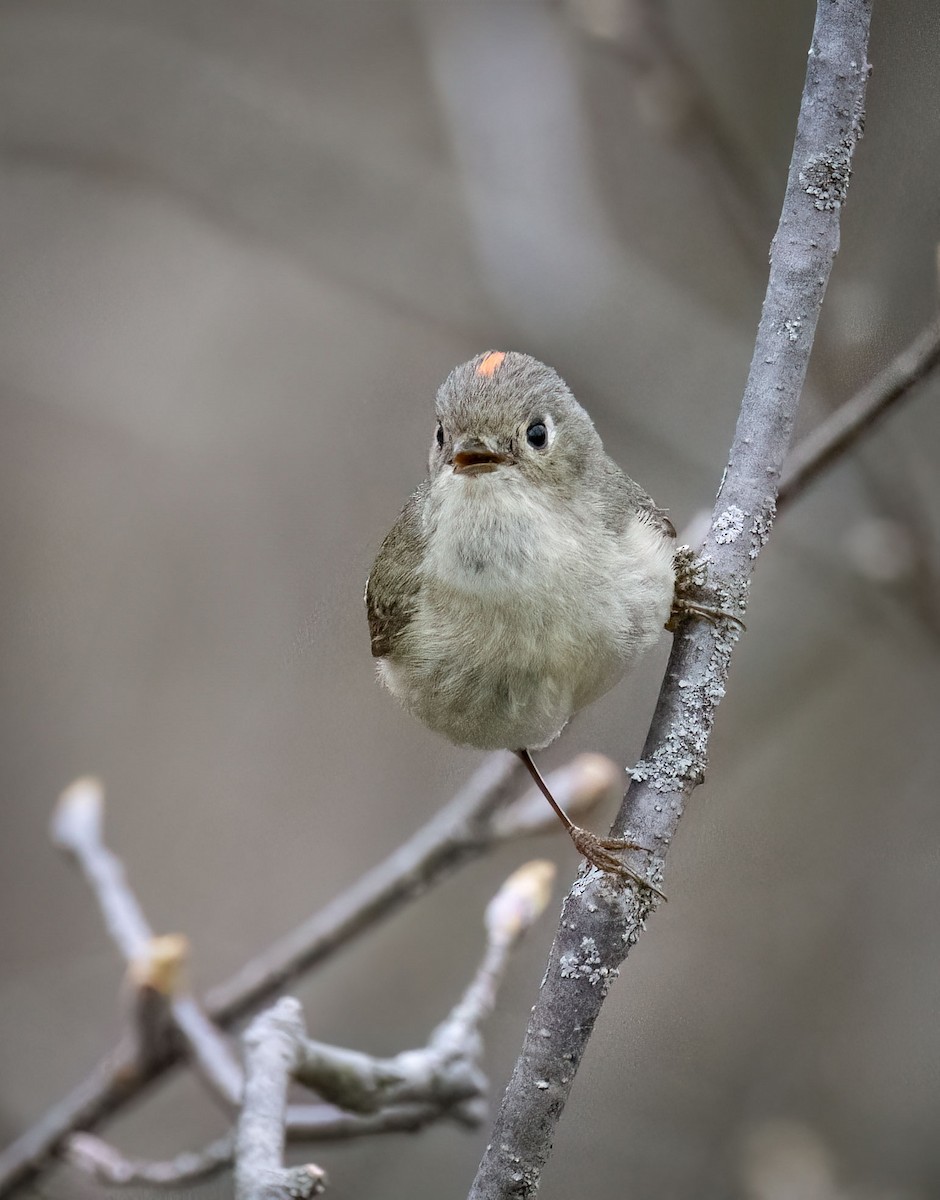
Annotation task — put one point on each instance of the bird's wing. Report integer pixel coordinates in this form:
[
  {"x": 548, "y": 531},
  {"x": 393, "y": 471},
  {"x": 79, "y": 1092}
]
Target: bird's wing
[
  {"x": 628, "y": 500},
  {"x": 394, "y": 581},
  {"x": 657, "y": 517}
]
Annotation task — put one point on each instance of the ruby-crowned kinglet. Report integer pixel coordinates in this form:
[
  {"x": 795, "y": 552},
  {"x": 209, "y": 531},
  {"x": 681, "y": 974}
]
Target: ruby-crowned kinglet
[{"x": 524, "y": 576}]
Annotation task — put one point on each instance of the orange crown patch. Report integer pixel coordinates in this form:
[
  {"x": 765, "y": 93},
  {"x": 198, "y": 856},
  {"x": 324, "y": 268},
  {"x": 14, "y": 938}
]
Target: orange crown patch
[{"x": 490, "y": 363}]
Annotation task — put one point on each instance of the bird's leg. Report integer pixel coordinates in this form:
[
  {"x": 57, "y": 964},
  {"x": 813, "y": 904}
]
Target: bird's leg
[
  {"x": 690, "y": 577},
  {"x": 597, "y": 850}
]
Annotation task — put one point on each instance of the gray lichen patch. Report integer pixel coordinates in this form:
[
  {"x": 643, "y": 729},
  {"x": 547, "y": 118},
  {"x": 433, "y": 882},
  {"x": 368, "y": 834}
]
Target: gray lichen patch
[
  {"x": 680, "y": 759},
  {"x": 727, "y": 527},
  {"x": 826, "y": 177},
  {"x": 792, "y": 327},
  {"x": 586, "y": 963},
  {"x": 761, "y": 526}
]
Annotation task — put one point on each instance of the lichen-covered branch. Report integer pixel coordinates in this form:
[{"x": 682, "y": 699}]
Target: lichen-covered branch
[{"x": 600, "y": 921}]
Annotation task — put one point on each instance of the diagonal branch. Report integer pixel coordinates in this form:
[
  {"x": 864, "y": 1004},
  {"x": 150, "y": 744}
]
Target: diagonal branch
[
  {"x": 600, "y": 922},
  {"x": 833, "y": 436}
]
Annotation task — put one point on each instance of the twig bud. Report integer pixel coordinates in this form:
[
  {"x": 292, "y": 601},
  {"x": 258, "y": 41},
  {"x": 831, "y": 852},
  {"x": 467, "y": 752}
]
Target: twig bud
[
  {"x": 162, "y": 964},
  {"x": 78, "y": 815},
  {"x": 520, "y": 901}
]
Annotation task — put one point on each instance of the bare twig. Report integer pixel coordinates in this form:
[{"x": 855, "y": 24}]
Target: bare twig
[
  {"x": 830, "y": 439},
  {"x": 440, "y": 1080},
  {"x": 466, "y": 828},
  {"x": 599, "y": 921},
  {"x": 100, "y": 1160},
  {"x": 155, "y": 964},
  {"x": 446, "y": 1071},
  {"x": 848, "y": 425},
  {"x": 475, "y": 820}
]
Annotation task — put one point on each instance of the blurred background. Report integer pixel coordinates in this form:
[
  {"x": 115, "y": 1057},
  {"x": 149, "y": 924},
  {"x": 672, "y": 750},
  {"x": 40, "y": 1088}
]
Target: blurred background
[{"x": 242, "y": 244}]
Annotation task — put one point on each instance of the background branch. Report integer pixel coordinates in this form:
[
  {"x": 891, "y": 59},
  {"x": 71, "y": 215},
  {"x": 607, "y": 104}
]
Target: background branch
[
  {"x": 858, "y": 415},
  {"x": 600, "y": 923},
  {"x": 672, "y": 99},
  {"x": 271, "y": 1044},
  {"x": 155, "y": 963},
  {"x": 476, "y": 819}
]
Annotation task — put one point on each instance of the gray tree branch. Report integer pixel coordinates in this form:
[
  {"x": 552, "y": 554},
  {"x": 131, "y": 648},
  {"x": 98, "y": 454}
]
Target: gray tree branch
[
  {"x": 272, "y": 1055},
  {"x": 600, "y": 921}
]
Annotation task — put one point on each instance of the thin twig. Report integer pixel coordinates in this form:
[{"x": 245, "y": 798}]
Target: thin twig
[
  {"x": 446, "y": 1071},
  {"x": 155, "y": 964},
  {"x": 471, "y": 823},
  {"x": 845, "y": 428},
  {"x": 600, "y": 922},
  {"x": 97, "y": 1158},
  {"x": 442, "y": 1080},
  {"x": 856, "y": 417}
]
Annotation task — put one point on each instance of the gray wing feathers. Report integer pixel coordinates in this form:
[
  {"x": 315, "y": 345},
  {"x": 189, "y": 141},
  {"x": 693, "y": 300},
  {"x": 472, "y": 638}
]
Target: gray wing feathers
[
  {"x": 627, "y": 499},
  {"x": 394, "y": 581}
]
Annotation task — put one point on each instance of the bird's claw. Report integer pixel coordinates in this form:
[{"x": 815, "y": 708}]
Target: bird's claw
[
  {"x": 691, "y": 577},
  {"x": 681, "y": 608},
  {"x": 598, "y": 852}
]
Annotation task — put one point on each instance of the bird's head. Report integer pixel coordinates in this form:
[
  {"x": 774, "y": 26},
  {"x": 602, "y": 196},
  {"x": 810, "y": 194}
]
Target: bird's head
[{"x": 507, "y": 412}]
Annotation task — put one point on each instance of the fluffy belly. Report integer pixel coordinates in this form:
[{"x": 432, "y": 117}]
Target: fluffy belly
[
  {"x": 501, "y": 676},
  {"x": 518, "y": 624}
]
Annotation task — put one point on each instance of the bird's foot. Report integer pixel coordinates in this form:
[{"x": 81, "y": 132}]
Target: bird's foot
[
  {"x": 682, "y": 608},
  {"x": 599, "y": 853},
  {"x": 688, "y": 601}
]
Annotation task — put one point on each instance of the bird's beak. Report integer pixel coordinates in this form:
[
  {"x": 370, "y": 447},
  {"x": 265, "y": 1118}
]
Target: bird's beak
[{"x": 471, "y": 457}]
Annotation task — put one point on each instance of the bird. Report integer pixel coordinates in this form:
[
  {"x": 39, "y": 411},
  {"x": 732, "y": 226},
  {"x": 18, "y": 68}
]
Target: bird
[{"x": 525, "y": 575}]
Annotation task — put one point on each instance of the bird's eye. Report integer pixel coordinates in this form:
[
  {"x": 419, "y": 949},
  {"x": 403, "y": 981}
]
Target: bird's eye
[
  {"x": 537, "y": 435},
  {"x": 440, "y": 434}
]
